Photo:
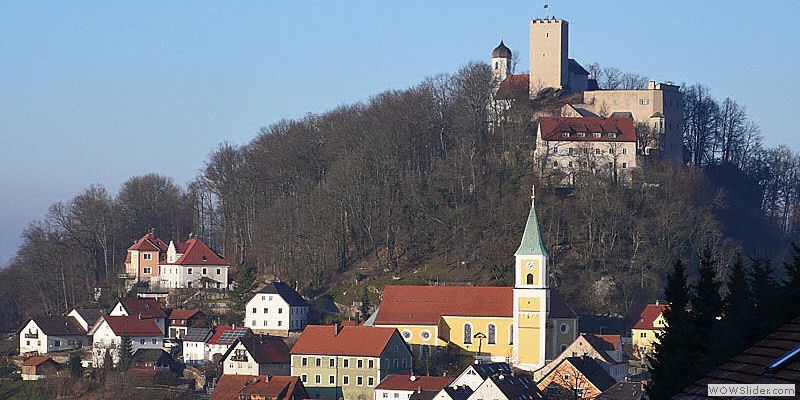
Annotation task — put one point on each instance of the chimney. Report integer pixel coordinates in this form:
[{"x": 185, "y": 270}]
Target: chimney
[
  {"x": 656, "y": 301},
  {"x": 337, "y": 327}
]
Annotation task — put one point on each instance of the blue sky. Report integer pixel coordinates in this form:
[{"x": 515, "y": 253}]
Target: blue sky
[{"x": 94, "y": 92}]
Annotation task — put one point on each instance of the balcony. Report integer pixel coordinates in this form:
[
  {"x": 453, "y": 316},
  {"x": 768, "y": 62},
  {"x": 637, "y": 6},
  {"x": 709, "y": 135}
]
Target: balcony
[
  {"x": 239, "y": 358},
  {"x": 30, "y": 335}
]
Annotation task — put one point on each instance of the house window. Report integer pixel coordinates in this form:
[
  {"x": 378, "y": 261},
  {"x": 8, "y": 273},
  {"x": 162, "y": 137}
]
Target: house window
[
  {"x": 266, "y": 310},
  {"x": 265, "y": 322},
  {"x": 563, "y": 347},
  {"x": 511, "y": 334},
  {"x": 331, "y": 379},
  {"x": 255, "y": 310},
  {"x": 644, "y": 102},
  {"x": 491, "y": 334},
  {"x": 596, "y": 134},
  {"x": 57, "y": 343},
  {"x": 581, "y": 134},
  {"x": 555, "y": 164},
  {"x": 147, "y": 256},
  {"x": 219, "y": 271},
  {"x": 570, "y": 163},
  {"x": 147, "y": 270},
  {"x": 624, "y": 165},
  {"x": 204, "y": 271},
  {"x": 529, "y": 279},
  {"x": 155, "y": 341},
  {"x": 643, "y": 335},
  {"x": 304, "y": 361},
  {"x": 570, "y": 150},
  {"x": 370, "y": 381},
  {"x": 371, "y": 364},
  {"x": 280, "y": 323},
  {"x": 346, "y": 380},
  {"x": 468, "y": 333},
  {"x": 612, "y": 135},
  {"x": 360, "y": 363},
  {"x": 141, "y": 341},
  {"x": 331, "y": 362},
  {"x": 304, "y": 378},
  {"x": 610, "y": 150},
  {"x": 564, "y": 134},
  {"x": 425, "y": 334},
  {"x": 555, "y": 150},
  {"x": 359, "y": 381},
  {"x": 597, "y": 151},
  {"x": 564, "y": 328},
  {"x": 280, "y": 310},
  {"x": 585, "y": 150},
  {"x": 318, "y": 362},
  {"x": 346, "y": 363},
  {"x": 624, "y": 151},
  {"x": 566, "y": 377},
  {"x": 189, "y": 271},
  {"x": 317, "y": 379},
  {"x": 406, "y": 334}
]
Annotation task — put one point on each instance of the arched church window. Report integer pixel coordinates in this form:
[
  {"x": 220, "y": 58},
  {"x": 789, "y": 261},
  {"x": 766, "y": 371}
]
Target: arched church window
[
  {"x": 491, "y": 334},
  {"x": 467, "y": 333},
  {"x": 529, "y": 279}
]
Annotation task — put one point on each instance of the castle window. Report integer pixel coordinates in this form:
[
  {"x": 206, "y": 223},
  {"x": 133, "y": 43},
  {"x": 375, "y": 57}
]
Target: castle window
[
  {"x": 467, "y": 333},
  {"x": 491, "y": 336},
  {"x": 529, "y": 279}
]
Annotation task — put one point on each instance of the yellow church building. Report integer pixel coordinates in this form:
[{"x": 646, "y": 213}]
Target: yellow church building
[{"x": 524, "y": 325}]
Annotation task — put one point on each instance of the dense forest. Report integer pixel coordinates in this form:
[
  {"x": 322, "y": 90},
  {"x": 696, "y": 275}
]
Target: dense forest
[{"x": 435, "y": 176}]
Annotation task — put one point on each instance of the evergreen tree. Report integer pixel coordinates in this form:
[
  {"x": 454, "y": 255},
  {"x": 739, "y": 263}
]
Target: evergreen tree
[
  {"x": 365, "y": 304},
  {"x": 125, "y": 351},
  {"x": 737, "y": 327},
  {"x": 706, "y": 308},
  {"x": 791, "y": 287},
  {"x": 673, "y": 365},
  {"x": 766, "y": 296},
  {"x": 243, "y": 288},
  {"x": 74, "y": 365}
]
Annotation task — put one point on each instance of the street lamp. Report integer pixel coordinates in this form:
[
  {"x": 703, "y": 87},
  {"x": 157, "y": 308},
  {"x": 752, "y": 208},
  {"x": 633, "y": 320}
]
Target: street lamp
[{"x": 480, "y": 336}]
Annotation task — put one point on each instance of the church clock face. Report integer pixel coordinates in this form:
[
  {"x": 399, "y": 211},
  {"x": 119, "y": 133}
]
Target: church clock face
[{"x": 529, "y": 265}]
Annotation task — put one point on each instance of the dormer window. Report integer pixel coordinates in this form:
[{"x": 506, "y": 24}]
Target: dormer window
[
  {"x": 612, "y": 135},
  {"x": 596, "y": 134},
  {"x": 564, "y": 134},
  {"x": 581, "y": 134}
]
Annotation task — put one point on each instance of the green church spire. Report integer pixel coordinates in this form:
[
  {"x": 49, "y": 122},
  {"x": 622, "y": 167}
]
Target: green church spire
[{"x": 532, "y": 240}]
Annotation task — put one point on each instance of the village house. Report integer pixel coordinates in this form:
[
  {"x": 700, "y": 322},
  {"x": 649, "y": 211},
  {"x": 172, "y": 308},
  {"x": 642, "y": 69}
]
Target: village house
[
  {"x": 623, "y": 390},
  {"x": 152, "y": 359},
  {"x": 504, "y": 386},
  {"x": 49, "y": 334},
  {"x": 276, "y": 309},
  {"x": 175, "y": 265},
  {"x": 180, "y": 320},
  {"x": 401, "y": 387},
  {"x": 605, "y": 349},
  {"x": 222, "y": 339},
  {"x": 257, "y": 355},
  {"x": 525, "y": 325},
  {"x": 255, "y": 387},
  {"x": 651, "y": 322},
  {"x": 86, "y": 317},
  {"x": 576, "y": 376},
  {"x": 474, "y": 375},
  {"x": 39, "y": 367},
  {"x": 348, "y": 361},
  {"x": 195, "y": 348},
  {"x": 141, "y": 308},
  {"x": 108, "y": 332}
]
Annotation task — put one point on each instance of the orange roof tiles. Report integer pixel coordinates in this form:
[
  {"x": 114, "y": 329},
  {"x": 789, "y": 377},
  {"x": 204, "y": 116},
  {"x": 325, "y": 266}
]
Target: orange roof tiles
[
  {"x": 197, "y": 253},
  {"x": 231, "y": 387},
  {"x": 411, "y": 382},
  {"x": 149, "y": 242},
  {"x": 425, "y": 305},
  {"x": 552, "y": 128},
  {"x": 133, "y": 326},
  {"x": 649, "y": 315},
  {"x": 183, "y": 313},
  {"x": 36, "y": 360},
  {"x": 343, "y": 341}
]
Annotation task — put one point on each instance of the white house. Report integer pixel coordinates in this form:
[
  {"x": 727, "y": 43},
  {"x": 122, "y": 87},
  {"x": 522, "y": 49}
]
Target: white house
[
  {"x": 403, "y": 386},
  {"x": 86, "y": 317},
  {"x": 195, "y": 346},
  {"x": 276, "y": 309},
  {"x": 475, "y": 375},
  {"x": 257, "y": 355},
  {"x": 143, "y": 309},
  {"x": 505, "y": 386},
  {"x": 222, "y": 339},
  {"x": 107, "y": 335},
  {"x": 51, "y": 334},
  {"x": 193, "y": 264}
]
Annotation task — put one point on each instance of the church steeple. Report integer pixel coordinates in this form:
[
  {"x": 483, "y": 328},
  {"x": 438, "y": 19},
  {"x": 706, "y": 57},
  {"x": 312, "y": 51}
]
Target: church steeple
[{"x": 532, "y": 241}]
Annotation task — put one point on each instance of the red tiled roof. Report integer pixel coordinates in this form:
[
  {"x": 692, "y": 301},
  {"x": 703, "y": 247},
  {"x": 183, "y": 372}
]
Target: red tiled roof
[
  {"x": 220, "y": 330},
  {"x": 133, "y": 326},
  {"x": 411, "y": 382},
  {"x": 514, "y": 86},
  {"x": 230, "y": 387},
  {"x": 425, "y": 305},
  {"x": 197, "y": 253},
  {"x": 552, "y": 128},
  {"x": 149, "y": 242},
  {"x": 345, "y": 340},
  {"x": 649, "y": 315},
  {"x": 182, "y": 313},
  {"x": 147, "y": 308},
  {"x": 35, "y": 361},
  {"x": 613, "y": 340}
]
